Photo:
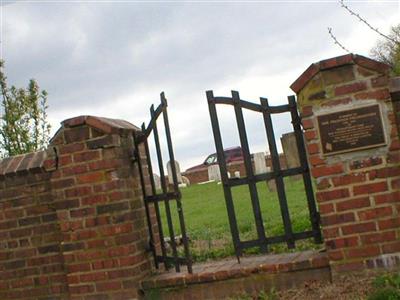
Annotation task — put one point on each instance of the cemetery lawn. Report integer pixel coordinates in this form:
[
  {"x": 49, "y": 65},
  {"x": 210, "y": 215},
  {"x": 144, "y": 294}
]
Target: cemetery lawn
[{"x": 207, "y": 220}]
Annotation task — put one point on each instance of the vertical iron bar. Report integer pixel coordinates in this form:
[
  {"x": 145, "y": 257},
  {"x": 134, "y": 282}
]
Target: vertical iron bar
[
  {"x": 164, "y": 189},
  {"x": 224, "y": 175},
  {"x": 156, "y": 206},
  {"x": 175, "y": 183},
  {"x": 146, "y": 204},
  {"x": 277, "y": 170},
  {"x": 296, "y": 121},
  {"x": 249, "y": 171}
]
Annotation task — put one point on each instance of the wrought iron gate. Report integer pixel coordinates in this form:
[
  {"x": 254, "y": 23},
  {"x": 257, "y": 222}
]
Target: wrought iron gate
[
  {"x": 167, "y": 193},
  {"x": 277, "y": 173}
]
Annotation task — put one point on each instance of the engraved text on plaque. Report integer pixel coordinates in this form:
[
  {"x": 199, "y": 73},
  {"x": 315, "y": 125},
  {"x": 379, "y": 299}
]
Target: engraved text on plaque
[{"x": 351, "y": 130}]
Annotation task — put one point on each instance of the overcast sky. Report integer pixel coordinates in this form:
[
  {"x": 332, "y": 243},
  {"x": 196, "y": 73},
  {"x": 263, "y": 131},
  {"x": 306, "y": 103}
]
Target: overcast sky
[{"x": 113, "y": 58}]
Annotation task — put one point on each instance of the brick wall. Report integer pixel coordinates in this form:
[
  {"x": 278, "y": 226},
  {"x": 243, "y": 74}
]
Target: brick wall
[
  {"x": 197, "y": 176},
  {"x": 74, "y": 225},
  {"x": 31, "y": 263},
  {"x": 358, "y": 192}
]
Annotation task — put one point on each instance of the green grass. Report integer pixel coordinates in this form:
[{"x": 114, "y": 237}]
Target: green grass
[
  {"x": 386, "y": 287},
  {"x": 207, "y": 220}
]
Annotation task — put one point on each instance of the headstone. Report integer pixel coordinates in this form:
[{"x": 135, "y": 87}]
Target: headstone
[
  {"x": 289, "y": 146},
  {"x": 214, "y": 173},
  {"x": 271, "y": 183},
  {"x": 157, "y": 181},
  {"x": 178, "y": 173},
  {"x": 185, "y": 180},
  {"x": 260, "y": 165},
  {"x": 237, "y": 174}
]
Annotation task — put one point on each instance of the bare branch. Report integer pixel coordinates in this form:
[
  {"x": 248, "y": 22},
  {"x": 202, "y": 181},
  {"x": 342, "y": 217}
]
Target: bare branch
[
  {"x": 361, "y": 19},
  {"x": 336, "y": 41}
]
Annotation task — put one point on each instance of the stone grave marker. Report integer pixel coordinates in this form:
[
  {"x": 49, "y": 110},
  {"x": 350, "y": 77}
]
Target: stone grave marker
[
  {"x": 157, "y": 181},
  {"x": 289, "y": 146},
  {"x": 260, "y": 165},
  {"x": 178, "y": 172},
  {"x": 214, "y": 173}
]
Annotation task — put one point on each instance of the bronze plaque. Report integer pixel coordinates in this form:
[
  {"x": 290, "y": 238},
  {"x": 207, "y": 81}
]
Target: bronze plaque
[{"x": 351, "y": 130}]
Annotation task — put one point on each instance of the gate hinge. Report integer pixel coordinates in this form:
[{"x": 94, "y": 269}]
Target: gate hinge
[
  {"x": 149, "y": 247},
  {"x": 317, "y": 217},
  {"x": 135, "y": 156}
]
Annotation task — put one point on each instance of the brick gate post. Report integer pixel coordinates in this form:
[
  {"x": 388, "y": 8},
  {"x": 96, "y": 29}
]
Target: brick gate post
[
  {"x": 99, "y": 208},
  {"x": 357, "y": 173},
  {"x": 395, "y": 95}
]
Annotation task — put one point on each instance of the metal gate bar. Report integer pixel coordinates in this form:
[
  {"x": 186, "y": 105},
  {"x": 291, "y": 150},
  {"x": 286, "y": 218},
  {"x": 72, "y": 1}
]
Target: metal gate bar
[
  {"x": 175, "y": 182},
  {"x": 276, "y": 166},
  {"x": 249, "y": 171},
  {"x": 165, "y": 195},
  {"x": 146, "y": 204},
  {"x": 312, "y": 207},
  {"x": 276, "y": 174},
  {"x": 164, "y": 190},
  {"x": 224, "y": 174}
]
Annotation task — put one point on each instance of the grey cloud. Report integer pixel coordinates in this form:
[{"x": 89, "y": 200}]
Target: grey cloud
[{"x": 89, "y": 55}]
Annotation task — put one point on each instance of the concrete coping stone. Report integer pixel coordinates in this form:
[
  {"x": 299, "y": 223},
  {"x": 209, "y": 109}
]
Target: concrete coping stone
[
  {"x": 335, "y": 62},
  {"x": 106, "y": 125}
]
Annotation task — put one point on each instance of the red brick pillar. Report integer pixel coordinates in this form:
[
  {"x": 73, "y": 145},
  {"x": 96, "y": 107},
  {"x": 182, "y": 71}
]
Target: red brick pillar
[
  {"x": 358, "y": 189},
  {"x": 395, "y": 95},
  {"x": 100, "y": 209}
]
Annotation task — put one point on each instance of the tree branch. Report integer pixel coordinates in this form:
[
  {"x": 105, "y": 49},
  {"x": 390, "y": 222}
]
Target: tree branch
[
  {"x": 361, "y": 19},
  {"x": 336, "y": 41}
]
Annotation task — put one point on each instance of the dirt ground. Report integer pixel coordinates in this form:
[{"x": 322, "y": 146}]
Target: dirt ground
[{"x": 348, "y": 288}]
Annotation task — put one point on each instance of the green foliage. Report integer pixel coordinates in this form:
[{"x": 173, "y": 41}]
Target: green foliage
[
  {"x": 23, "y": 122},
  {"x": 387, "y": 293},
  {"x": 387, "y": 280},
  {"x": 388, "y": 50},
  {"x": 387, "y": 287},
  {"x": 263, "y": 295}
]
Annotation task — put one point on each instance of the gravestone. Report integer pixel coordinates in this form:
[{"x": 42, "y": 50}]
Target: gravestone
[
  {"x": 271, "y": 183},
  {"x": 157, "y": 181},
  {"x": 178, "y": 173},
  {"x": 260, "y": 165},
  {"x": 214, "y": 173},
  {"x": 289, "y": 146},
  {"x": 185, "y": 180}
]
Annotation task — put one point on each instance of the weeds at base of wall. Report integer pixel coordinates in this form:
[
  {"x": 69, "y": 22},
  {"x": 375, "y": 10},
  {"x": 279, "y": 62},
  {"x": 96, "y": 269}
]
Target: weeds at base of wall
[
  {"x": 385, "y": 286},
  {"x": 263, "y": 295}
]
